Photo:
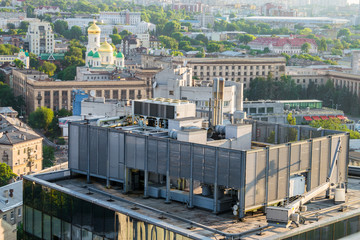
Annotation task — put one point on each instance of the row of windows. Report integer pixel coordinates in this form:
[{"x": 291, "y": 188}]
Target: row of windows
[
  {"x": 233, "y": 73},
  {"x": 259, "y": 110},
  {"x": 234, "y": 67},
  {"x": 12, "y": 215},
  {"x": 25, "y": 150}
]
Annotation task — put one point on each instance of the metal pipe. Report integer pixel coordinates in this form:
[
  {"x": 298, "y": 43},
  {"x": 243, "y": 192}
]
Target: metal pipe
[{"x": 125, "y": 168}]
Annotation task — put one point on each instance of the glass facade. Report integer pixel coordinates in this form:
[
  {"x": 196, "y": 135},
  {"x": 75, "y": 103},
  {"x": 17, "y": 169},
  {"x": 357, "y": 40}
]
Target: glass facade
[
  {"x": 332, "y": 231},
  {"x": 304, "y": 105},
  {"x": 53, "y": 215}
]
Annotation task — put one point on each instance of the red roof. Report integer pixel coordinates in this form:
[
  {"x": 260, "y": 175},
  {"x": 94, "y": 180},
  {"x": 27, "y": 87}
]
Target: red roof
[
  {"x": 294, "y": 42},
  {"x": 324, "y": 117},
  {"x": 307, "y": 118},
  {"x": 341, "y": 117},
  {"x": 332, "y": 116},
  {"x": 316, "y": 118}
]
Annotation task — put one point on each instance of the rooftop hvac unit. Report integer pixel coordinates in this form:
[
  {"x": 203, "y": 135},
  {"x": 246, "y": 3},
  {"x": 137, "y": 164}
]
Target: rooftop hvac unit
[{"x": 167, "y": 109}]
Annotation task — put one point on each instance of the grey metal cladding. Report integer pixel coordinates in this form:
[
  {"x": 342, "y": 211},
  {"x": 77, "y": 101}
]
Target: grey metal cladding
[
  {"x": 209, "y": 165},
  {"x": 114, "y": 154},
  {"x": 185, "y": 160},
  {"x": 175, "y": 159},
  {"x": 74, "y": 147},
  {"x": 262, "y": 183},
  {"x": 94, "y": 142},
  {"x": 130, "y": 151},
  {"x": 102, "y": 150},
  {"x": 83, "y": 148}
]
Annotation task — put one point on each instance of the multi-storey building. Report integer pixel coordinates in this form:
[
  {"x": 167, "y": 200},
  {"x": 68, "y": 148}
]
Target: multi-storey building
[
  {"x": 38, "y": 90},
  {"x": 20, "y": 147},
  {"x": 283, "y": 45},
  {"x": 41, "y": 10},
  {"x": 231, "y": 69},
  {"x": 11, "y": 210},
  {"x": 123, "y": 17},
  {"x": 40, "y": 38}
]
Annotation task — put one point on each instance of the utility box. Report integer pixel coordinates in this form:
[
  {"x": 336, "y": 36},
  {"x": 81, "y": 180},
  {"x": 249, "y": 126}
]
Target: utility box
[
  {"x": 278, "y": 215},
  {"x": 297, "y": 185}
]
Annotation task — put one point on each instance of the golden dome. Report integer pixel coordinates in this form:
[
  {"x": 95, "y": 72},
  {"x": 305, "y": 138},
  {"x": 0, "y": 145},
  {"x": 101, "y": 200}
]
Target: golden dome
[
  {"x": 94, "y": 29},
  {"x": 106, "y": 47}
]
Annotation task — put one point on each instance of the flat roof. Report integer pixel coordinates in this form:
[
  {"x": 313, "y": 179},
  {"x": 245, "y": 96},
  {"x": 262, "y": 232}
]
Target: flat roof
[{"x": 197, "y": 221}]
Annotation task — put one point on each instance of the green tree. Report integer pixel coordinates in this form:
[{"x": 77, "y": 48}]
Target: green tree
[
  {"x": 306, "y": 47},
  {"x": 201, "y": 53},
  {"x": 171, "y": 27},
  {"x": 6, "y": 174},
  {"x": 202, "y": 38},
  {"x": 177, "y": 35},
  {"x": 322, "y": 45},
  {"x": 41, "y": 118},
  {"x": 246, "y": 38},
  {"x": 335, "y": 51},
  {"x": 116, "y": 39},
  {"x": 10, "y": 26},
  {"x": 61, "y": 27},
  {"x": 345, "y": 32},
  {"x": 335, "y": 124},
  {"x": 34, "y": 61},
  {"x": 176, "y": 53},
  {"x": 169, "y": 42},
  {"x": 115, "y": 30},
  {"x": 213, "y": 47},
  {"x": 305, "y": 31},
  {"x": 48, "y": 156},
  {"x": 74, "y": 33},
  {"x": 19, "y": 64},
  {"x": 24, "y": 25},
  {"x": 48, "y": 68}
]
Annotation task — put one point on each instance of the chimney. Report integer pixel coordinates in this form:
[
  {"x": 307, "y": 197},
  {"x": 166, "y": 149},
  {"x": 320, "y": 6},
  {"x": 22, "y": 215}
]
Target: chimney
[
  {"x": 5, "y": 193},
  {"x": 11, "y": 193}
]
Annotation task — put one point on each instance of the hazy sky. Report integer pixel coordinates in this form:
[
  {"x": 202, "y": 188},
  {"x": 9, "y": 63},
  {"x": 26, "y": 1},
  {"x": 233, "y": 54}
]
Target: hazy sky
[{"x": 353, "y": 1}]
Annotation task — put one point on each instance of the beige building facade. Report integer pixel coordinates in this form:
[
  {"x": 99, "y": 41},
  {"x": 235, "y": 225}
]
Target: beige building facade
[
  {"x": 231, "y": 69},
  {"x": 303, "y": 76},
  {"x": 39, "y": 91},
  {"x": 20, "y": 147}
]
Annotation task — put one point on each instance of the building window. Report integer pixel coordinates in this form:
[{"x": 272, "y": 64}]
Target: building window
[
  {"x": 252, "y": 110},
  {"x": 4, "y": 217},
  {"x": 171, "y": 93},
  {"x": 12, "y": 215},
  {"x": 98, "y": 93},
  {"x": 270, "y": 110},
  {"x": 19, "y": 212},
  {"x": 261, "y": 110}
]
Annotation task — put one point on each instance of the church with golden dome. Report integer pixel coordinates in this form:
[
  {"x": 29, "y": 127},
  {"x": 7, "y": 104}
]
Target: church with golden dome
[{"x": 101, "y": 55}]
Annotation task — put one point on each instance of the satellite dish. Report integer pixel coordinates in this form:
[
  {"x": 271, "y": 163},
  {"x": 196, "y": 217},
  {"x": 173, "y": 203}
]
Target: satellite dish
[
  {"x": 92, "y": 93},
  {"x": 154, "y": 84}
]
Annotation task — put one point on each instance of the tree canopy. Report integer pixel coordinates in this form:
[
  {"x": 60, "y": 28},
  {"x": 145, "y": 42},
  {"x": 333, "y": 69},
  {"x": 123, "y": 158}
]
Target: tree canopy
[
  {"x": 41, "y": 118},
  {"x": 6, "y": 174}
]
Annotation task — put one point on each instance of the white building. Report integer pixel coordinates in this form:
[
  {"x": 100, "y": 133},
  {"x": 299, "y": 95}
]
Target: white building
[
  {"x": 140, "y": 28},
  {"x": 40, "y": 37},
  {"x": 101, "y": 55},
  {"x": 40, "y": 11},
  {"x": 177, "y": 83},
  {"x": 22, "y": 56},
  {"x": 123, "y": 17}
]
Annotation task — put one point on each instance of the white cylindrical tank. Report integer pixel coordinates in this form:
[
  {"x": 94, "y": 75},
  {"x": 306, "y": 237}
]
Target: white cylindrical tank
[{"x": 340, "y": 196}]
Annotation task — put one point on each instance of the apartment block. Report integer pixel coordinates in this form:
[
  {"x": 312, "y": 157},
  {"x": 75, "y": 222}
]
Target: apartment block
[{"x": 40, "y": 38}]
